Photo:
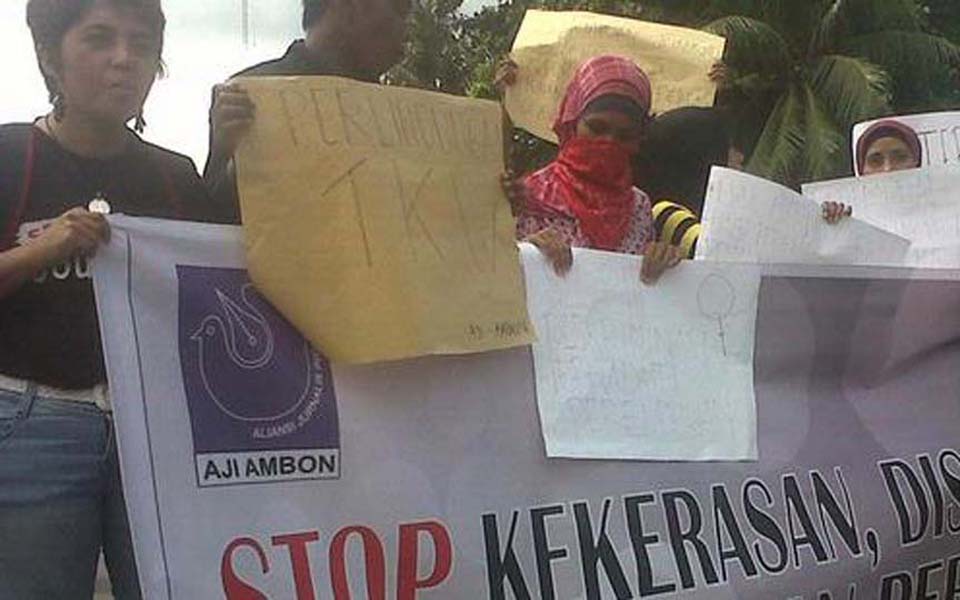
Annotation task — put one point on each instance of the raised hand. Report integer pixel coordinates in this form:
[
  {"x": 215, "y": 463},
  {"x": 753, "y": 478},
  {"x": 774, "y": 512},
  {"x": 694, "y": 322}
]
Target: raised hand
[
  {"x": 231, "y": 117},
  {"x": 658, "y": 257},
  {"x": 834, "y": 212},
  {"x": 76, "y": 232},
  {"x": 515, "y": 191},
  {"x": 556, "y": 250},
  {"x": 506, "y": 75}
]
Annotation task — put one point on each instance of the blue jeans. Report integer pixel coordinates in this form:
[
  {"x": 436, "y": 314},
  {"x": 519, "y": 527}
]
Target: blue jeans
[{"x": 61, "y": 501}]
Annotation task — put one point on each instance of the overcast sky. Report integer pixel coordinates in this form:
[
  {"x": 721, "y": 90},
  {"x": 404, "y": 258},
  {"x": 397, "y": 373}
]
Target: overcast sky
[{"x": 204, "y": 45}]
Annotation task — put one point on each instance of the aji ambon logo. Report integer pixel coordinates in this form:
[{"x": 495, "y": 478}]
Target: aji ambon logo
[{"x": 261, "y": 401}]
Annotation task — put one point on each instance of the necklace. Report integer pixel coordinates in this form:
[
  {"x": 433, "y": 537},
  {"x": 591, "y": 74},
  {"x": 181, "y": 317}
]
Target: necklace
[{"x": 97, "y": 204}]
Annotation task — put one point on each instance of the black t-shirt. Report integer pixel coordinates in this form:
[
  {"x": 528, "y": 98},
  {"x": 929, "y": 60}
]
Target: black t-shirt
[
  {"x": 295, "y": 61},
  {"x": 220, "y": 180},
  {"x": 48, "y": 328}
]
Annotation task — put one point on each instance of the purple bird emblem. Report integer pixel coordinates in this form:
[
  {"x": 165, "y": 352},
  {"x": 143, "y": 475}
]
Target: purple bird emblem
[{"x": 252, "y": 364}]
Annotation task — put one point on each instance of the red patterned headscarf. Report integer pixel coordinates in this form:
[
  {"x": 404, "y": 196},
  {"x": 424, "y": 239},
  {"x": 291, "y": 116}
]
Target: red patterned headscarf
[
  {"x": 591, "y": 179},
  {"x": 601, "y": 76}
]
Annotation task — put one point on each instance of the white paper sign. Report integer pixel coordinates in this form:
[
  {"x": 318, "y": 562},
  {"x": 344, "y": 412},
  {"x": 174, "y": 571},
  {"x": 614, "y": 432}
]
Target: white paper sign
[
  {"x": 922, "y": 206},
  {"x": 939, "y": 135},
  {"x": 749, "y": 219},
  {"x": 614, "y": 357}
]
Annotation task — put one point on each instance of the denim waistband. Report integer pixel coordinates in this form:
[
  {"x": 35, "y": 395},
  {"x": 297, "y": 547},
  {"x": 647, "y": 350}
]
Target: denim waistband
[{"x": 96, "y": 395}]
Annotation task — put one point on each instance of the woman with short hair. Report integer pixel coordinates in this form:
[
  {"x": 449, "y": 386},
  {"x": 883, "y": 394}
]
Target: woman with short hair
[{"x": 60, "y": 495}]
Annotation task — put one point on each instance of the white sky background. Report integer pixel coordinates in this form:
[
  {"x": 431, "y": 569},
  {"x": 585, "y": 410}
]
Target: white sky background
[{"x": 204, "y": 45}]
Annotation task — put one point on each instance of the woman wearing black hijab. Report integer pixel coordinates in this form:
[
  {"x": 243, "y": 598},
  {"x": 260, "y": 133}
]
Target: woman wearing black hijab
[{"x": 680, "y": 148}]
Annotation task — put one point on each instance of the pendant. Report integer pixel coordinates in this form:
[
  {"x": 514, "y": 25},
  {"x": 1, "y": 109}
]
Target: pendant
[{"x": 99, "y": 205}]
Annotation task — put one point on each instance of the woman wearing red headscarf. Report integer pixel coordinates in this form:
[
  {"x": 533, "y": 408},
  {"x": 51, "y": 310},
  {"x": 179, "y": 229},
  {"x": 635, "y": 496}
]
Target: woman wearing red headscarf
[
  {"x": 885, "y": 147},
  {"x": 585, "y": 198}
]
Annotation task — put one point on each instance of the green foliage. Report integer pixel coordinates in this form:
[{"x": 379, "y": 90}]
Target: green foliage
[
  {"x": 801, "y": 72},
  {"x": 943, "y": 17},
  {"x": 435, "y": 57},
  {"x": 852, "y": 89},
  {"x": 781, "y": 144},
  {"x": 825, "y": 65},
  {"x": 456, "y": 53}
]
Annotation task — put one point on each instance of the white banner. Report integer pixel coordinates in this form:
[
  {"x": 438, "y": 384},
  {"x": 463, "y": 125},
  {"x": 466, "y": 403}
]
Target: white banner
[{"x": 254, "y": 470}]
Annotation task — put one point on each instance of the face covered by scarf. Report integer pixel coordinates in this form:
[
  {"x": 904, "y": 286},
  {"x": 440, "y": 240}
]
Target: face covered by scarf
[{"x": 591, "y": 179}]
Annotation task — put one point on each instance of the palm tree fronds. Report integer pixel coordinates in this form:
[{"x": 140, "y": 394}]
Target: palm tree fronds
[
  {"x": 752, "y": 45},
  {"x": 828, "y": 30},
  {"x": 755, "y": 84},
  {"x": 823, "y": 141},
  {"x": 869, "y": 16},
  {"x": 851, "y": 89},
  {"x": 921, "y": 66},
  {"x": 898, "y": 50},
  {"x": 779, "y": 150},
  {"x": 796, "y": 21}
]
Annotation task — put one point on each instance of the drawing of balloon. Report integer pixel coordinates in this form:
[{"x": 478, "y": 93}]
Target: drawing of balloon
[{"x": 716, "y": 299}]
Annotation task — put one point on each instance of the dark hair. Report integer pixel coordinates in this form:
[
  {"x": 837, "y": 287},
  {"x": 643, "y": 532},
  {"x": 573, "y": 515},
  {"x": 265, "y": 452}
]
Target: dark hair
[
  {"x": 677, "y": 153},
  {"x": 312, "y": 12},
  {"x": 49, "y": 21},
  {"x": 620, "y": 104}
]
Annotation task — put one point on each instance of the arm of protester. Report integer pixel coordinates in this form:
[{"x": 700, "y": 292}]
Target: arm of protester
[
  {"x": 508, "y": 145},
  {"x": 506, "y": 75},
  {"x": 658, "y": 257},
  {"x": 231, "y": 116},
  {"x": 74, "y": 233},
  {"x": 556, "y": 250},
  {"x": 720, "y": 74},
  {"x": 198, "y": 200},
  {"x": 834, "y": 212},
  {"x": 222, "y": 187},
  {"x": 515, "y": 191}
]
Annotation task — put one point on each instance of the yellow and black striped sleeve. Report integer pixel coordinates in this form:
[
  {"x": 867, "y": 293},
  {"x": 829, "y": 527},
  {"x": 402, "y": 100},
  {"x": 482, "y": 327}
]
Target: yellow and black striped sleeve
[{"x": 677, "y": 224}]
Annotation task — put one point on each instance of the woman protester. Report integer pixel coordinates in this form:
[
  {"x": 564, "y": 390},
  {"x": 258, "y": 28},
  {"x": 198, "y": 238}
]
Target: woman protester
[
  {"x": 888, "y": 146},
  {"x": 885, "y": 147},
  {"x": 585, "y": 198},
  {"x": 61, "y": 500},
  {"x": 679, "y": 150}
]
